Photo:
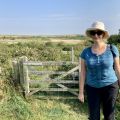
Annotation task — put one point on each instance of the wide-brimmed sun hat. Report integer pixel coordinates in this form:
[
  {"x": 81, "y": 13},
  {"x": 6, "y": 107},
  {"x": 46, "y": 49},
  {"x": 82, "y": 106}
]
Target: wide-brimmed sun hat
[{"x": 98, "y": 26}]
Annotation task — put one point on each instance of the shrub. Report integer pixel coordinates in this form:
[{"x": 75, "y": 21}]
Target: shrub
[{"x": 114, "y": 39}]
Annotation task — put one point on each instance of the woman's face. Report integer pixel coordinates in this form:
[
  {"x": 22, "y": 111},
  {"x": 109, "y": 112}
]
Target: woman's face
[{"x": 97, "y": 35}]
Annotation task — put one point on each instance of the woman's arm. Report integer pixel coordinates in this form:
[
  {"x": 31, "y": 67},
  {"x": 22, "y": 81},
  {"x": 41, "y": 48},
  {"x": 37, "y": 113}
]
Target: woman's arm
[
  {"x": 82, "y": 80},
  {"x": 117, "y": 68}
]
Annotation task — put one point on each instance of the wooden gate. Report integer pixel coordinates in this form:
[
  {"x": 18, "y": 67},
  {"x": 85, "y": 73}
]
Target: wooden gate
[{"x": 25, "y": 70}]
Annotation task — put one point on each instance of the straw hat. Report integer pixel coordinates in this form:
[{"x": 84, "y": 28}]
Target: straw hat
[{"x": 98, "y": 26}]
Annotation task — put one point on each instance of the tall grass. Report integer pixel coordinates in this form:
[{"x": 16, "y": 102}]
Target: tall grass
[{"x": 13, "y": 106}]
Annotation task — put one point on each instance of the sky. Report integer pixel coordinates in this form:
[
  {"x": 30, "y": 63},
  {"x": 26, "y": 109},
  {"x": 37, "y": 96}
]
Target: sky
[{"x": 57, "y": 17}]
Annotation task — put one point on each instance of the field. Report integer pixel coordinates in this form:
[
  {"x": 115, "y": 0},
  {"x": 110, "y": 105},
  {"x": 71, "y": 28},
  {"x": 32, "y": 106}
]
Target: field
[
  {"x": 44, "y": 39},
  {"x": 13, "y": 105}
]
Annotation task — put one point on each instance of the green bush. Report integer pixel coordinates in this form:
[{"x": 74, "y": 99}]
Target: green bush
[{"x": 114, "y": 39}]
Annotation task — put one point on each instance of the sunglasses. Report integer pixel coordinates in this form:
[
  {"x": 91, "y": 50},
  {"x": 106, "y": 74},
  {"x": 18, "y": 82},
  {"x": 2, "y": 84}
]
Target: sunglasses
[{"x": 93, "y": 33}]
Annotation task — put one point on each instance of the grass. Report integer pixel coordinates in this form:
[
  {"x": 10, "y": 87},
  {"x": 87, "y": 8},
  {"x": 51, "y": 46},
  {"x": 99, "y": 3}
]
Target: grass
[
  {"x": 15, "y": 107},
  {"x": 58, "y": 110}
]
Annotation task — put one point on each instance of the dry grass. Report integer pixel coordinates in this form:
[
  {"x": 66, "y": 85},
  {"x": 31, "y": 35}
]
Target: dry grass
[{"x": 66, "y": 41}]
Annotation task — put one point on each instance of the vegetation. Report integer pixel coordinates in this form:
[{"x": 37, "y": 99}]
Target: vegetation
[
  {"x": 13, "y": 105},
  {"x": 69, "y": 37},
  {"x": 114, "y": 39}
]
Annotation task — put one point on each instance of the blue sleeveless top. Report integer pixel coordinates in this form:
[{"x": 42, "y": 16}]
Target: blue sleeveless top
[{"x": 100, "y": 71}]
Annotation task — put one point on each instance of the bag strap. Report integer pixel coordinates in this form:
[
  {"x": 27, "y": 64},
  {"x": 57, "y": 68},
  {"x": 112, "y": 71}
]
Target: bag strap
[{"x": 111, "y": 48}]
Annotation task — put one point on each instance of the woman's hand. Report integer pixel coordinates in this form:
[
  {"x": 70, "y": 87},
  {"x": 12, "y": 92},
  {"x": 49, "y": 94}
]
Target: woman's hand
[{"x": 81, "y": 97}]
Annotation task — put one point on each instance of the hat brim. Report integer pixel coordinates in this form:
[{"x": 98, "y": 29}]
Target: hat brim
[{"x": 106, "y": 34}]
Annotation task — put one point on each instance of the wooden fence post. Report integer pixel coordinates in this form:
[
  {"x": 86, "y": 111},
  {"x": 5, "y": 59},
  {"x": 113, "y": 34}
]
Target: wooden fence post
[
  {"x": 16, "y": 72},
  {"x": 72, "y": 54},
  {"x": 24, "y": 79}
]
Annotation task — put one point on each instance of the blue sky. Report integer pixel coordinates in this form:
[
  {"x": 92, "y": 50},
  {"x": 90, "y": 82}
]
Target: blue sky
[{"x": 55, "y": 17}]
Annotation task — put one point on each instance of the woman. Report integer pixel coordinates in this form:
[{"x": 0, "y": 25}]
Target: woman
[{"x": 98, "y": 73}]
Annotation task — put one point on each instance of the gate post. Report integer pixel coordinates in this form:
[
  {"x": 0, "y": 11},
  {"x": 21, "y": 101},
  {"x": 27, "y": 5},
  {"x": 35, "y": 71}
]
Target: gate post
[
  {"x": 24, "y": 79},
  {"x": 72, "y": 54},
  {"x": 16, "y": 75}
]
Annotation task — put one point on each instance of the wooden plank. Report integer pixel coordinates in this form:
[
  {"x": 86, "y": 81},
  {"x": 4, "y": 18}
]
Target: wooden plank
[
  {"x": 26, "y": 78},
  {"x": 51, "y": 72},
  {"x": 23, "y": 75},
  {"x": 68, "y": 89},
  {"x": 57, "y": 97},
  {"x": 20, "y": 68},
  {"x": 48, "y": 63},
  {"x": 46, "y": 72},
  {"x": 53, "y": 81},
  {"x": 72, "y": 55},
  {"x": 69, "y": 72},
  {"x": 52, "y": 89},
  {"x": 31, "y": 93},
  {"x": 16, "y": 75}
]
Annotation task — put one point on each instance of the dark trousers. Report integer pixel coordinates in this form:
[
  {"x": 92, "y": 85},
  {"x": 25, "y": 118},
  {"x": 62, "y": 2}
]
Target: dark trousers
[{"x": 105, "y": 96}]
